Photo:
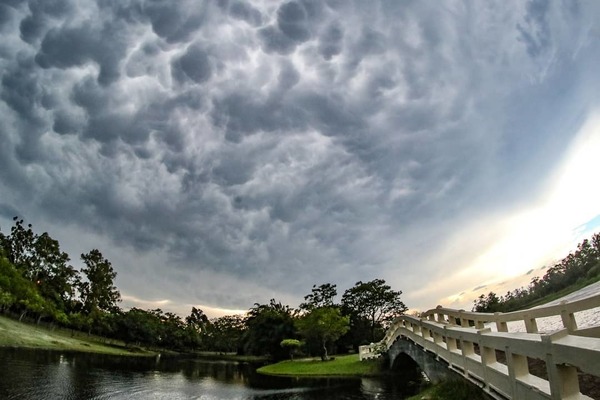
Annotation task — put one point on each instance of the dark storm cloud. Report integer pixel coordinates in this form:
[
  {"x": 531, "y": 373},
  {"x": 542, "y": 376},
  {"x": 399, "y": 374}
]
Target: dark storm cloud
[
  {"x": 174, "y": 23},
  {"x": 195, "y": 64},
  {"x": 8, "y": 212},
  {"x": 246, "y": 12},
  {"x": 295, "y": 22},
  {"x": 42, "y": 15},
  {"x": 536, "y": 31},
  {"x": 256, "y": 140},
  {"x": 330, "y": 43},
  {"x": 70, "y": 47},
  {"x": 291, "y": 20}
]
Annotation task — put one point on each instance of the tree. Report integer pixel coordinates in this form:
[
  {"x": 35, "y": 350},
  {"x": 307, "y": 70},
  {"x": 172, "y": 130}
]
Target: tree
[
  {"x": 40, "y": 260},
  {"x": 172, "y": 331},
  {"x": 324, "y": 325},
  {"x": 55, "y": 278},
  {"x": 491, "y": 303},
  {"x": 19, "y": 246},
  {"x": 197, "y": 319},
  {"x": 98, "y": 293},
  {"x": 267, "y": 325},
  {"x": 321, "y": 296},
  {"x": 20, "y": 293},
  {"x": 139, "y": 327},
  {"x": 292, "y": 345},
  {"x": 225, "y": 333},
  {"x": 374, "y": 302},
  {"x": 195, "y": 325}
]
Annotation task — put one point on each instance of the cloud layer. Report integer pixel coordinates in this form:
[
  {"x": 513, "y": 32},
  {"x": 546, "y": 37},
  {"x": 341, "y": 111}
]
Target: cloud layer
[{"x": 246, "y": 150}]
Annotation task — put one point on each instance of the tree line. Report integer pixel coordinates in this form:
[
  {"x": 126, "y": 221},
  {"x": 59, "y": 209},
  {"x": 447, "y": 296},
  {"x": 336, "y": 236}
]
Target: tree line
[
  {"x": 38, "y": 283},
  {"x": 579, "y": 268}
]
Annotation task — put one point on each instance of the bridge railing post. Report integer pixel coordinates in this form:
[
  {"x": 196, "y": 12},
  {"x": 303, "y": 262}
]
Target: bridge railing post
[
  {"x": 530, "y": 324},
  {"x": 568, "y": 318},
  {"x": 464, "y": 322},
  {"x": 467, "y": 348},
  {"x": 517, "y": 368},
  {"x": 563, "y": 379},
  {"x": 488, "y": 356},
  {"x": 416, "y": 328},
  {"x": 441, "y": 317},
  {"x": 501, "y": 326},
  {"x": 451, "y": 345}
]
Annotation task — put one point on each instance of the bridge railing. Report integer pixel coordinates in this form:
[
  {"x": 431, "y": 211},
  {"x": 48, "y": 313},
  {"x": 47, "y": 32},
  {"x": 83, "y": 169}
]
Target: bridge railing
[
  {"x": 499, "y": 361},
  {"x": 565, "y": 310}
]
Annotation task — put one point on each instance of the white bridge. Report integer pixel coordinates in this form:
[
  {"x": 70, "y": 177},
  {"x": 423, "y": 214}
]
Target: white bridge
[{"x": 481, "y": 348}]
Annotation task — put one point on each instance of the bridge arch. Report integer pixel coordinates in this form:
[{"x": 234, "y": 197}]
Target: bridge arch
[{"x": 403, "y": 351}]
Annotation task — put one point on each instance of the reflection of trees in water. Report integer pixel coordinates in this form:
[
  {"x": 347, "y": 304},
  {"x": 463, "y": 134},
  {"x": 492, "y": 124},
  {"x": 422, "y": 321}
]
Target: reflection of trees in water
[
  {"x": 36, "y": 374},
  {"x": 229, "y": 372}
]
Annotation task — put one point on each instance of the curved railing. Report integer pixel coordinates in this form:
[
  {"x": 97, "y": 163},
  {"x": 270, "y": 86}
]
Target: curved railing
[{"x": 498, "y": 361}]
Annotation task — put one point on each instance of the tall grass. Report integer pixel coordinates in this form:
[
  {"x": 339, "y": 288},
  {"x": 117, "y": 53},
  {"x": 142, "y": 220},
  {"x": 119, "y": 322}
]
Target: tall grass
[{"x": 452, "y": 390}]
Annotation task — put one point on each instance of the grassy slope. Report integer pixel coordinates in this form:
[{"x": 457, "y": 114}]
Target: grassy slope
[
  {"x": 19, "y": 334},
  {"x": 348, "y": 365},
  {"x": 451, "y": 390},
  {"x": 557, "y": 295}
]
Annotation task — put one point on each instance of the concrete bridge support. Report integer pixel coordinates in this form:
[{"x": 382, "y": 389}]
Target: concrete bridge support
[{"x": 435, "y": 369}]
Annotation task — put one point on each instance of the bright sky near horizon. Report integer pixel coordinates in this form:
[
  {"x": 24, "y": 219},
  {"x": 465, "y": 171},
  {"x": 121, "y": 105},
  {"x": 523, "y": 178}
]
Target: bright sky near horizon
[{"x": 225, "y": 153}]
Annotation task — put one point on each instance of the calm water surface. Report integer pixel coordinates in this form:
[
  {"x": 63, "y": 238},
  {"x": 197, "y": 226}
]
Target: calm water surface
[{"x": 35, "y": 374}]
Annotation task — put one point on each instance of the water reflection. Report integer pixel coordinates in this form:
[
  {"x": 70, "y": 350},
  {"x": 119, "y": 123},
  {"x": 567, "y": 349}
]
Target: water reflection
[{"x": 36, "y": 374}]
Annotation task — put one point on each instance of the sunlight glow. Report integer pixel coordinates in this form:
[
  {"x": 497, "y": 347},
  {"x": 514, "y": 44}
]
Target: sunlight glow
[{"x": 546, "y": 232}]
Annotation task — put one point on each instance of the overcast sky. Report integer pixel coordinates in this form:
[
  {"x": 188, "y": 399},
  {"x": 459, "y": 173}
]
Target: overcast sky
[{"x": 222, "y": 153}]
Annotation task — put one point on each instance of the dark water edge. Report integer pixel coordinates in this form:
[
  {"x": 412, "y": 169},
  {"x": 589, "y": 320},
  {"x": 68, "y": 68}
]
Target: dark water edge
[{"x": 42, "y": 374}]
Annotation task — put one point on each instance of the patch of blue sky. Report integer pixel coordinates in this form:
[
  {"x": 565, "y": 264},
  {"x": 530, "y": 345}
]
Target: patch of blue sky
[{"x": 590, "y": 227}]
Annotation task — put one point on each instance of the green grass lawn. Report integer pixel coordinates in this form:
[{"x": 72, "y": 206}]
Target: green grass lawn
[
  {"x": 347, "y": 365},
  {"x": 20, "y": 334}
]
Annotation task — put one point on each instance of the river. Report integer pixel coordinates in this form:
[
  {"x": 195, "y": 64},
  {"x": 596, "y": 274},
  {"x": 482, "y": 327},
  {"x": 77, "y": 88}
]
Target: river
[{"x": 39, "y": 374}]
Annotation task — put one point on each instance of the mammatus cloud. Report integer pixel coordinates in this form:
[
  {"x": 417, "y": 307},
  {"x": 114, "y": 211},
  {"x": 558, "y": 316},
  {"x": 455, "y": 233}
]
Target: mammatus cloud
[{"x": 272, "y": 146}]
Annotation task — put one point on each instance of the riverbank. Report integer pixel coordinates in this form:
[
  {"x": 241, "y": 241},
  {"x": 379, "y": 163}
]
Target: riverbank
[
  {"x": 20, "y": 334},
  {"x": 220, "y": 356},
  {"x": 346, "y": 365}
]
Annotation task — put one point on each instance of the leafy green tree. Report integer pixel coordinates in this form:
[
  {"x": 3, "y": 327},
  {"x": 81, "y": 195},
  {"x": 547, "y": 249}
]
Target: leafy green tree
[
  {"x": 98, "y": 293},
  {"x": 292, "y": 345},
  {"x": 139, "y": 327},
  {"x": 324, "y": 325},
  {"x": 55, "y": 278},
  {"x": 6, "y": 300},
  {"x": 20, "y": 293},
  {"x": 489, "y": 303},
  {"x": 321, "y": 296},
  {"x": 172, "y": 332},
  {"x": 40, "y": 259},
  {"x": 195, "y": 328},
  {"x": 80, "y": 321},
  {"x": 374, "y": 302},
  {"x": 197, "y": 319},
  {"x": 225, "y": 333},
  {"x": 19, "y": 246},
  {"x": 266, "y": 326}
]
